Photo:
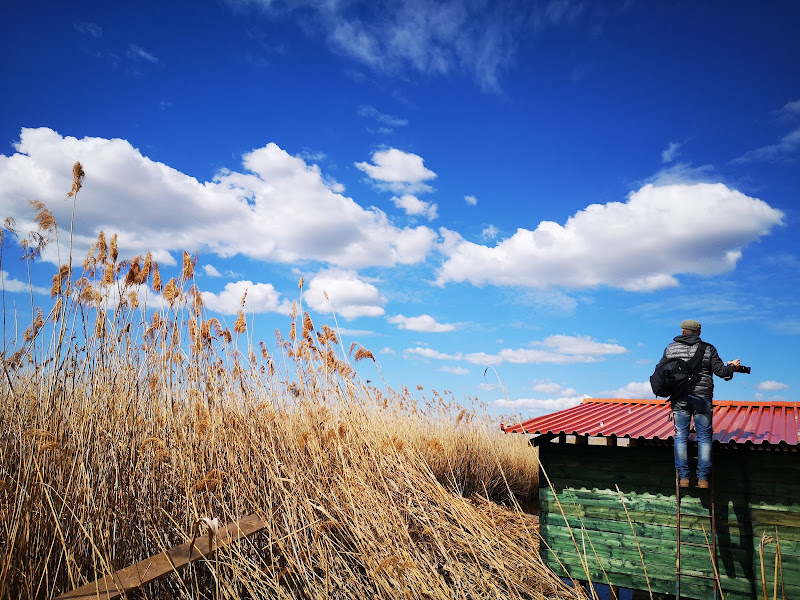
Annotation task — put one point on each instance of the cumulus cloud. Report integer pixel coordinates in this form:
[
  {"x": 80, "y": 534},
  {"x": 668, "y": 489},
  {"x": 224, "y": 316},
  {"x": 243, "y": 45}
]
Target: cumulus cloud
[
  {"x": 634, "y": 389},
  {"x": 638, "y": 245},
  {"x": 455, "y": 370},
  {"x": 9, "y": 284},
  {"x": 261, "y": 298},
  {"x": 553, "y": 389},
  {"x": 555, "y": 349},
  {"x": 416, "y": 207},
  {"x": 535, "y": 406},
  {"x": 278, "y": 208},
  {"x": 420, "y": 352},
  {"x": 398, "y": 171},
  {"x": 771, "y": 386},
  {"x": 471, "y": 200},
  {"x": 355, "y": 332},
  {"x": 347, "y": 295},
  {"x": 211, "y": 271},
  {"x": 682, "y": 173},
  {"x": 424, "y": 323}
]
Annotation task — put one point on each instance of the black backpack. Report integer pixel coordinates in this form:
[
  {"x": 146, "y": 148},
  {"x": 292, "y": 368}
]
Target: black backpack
[{"x": 671, "y": 377}]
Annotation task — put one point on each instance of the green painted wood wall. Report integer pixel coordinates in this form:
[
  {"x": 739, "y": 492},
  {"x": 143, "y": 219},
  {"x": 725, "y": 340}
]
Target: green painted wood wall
[{"x": 588, "y": 535}]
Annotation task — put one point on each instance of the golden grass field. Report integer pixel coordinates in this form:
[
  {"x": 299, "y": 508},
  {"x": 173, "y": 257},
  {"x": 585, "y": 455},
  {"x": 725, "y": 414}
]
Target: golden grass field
[{"x": 122, "y": 426}]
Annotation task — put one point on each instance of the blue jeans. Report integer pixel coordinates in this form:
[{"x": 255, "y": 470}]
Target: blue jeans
[{"x": 683, "y": 410}]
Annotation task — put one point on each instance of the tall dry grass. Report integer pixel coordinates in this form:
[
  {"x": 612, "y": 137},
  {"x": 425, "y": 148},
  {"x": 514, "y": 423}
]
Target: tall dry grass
[{"x": 122, "y": 425}]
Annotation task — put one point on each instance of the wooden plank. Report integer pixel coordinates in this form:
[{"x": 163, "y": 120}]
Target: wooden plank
[
  {"x": 172, "y": 560},
  {"x": 725, "y": 518},
  {"x": 661, "y": 552},
  {"x": 729, "y": 535},
  {"x": 788, "y": 515},
  {"x": 628, "y": 573}
]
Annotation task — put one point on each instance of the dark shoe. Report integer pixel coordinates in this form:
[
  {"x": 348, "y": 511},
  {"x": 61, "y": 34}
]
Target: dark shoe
[
  {"x": 684, "y": 483},
  {"x": 702, "y": 484}
]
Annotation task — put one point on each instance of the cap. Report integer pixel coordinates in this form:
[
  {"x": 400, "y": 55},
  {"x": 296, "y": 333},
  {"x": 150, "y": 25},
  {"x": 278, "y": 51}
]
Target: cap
[{"x": 690, "y": 325}]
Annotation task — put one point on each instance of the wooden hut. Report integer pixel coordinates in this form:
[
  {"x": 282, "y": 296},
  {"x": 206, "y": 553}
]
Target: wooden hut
[{"x": 608, "y": 499}]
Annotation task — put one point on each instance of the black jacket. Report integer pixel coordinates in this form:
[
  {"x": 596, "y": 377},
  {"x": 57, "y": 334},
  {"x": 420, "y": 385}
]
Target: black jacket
[{"x": 684, "y": 347}]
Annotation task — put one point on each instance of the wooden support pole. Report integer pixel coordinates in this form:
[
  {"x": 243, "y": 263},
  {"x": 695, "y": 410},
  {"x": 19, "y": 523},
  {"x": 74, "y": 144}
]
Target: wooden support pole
[{"x": 172, "y": 560}]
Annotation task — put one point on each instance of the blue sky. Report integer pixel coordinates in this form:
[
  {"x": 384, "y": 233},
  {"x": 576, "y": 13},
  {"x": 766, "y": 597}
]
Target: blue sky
[{"x": 545, "y": 188}]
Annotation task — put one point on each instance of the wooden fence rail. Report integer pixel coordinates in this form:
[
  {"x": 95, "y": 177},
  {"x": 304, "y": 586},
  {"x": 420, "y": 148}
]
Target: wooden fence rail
[{"x": 133, "y": 577}]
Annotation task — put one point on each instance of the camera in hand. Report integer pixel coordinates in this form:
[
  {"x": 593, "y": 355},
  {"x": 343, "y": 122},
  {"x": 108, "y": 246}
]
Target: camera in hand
[{"x": 742, "y": 369}]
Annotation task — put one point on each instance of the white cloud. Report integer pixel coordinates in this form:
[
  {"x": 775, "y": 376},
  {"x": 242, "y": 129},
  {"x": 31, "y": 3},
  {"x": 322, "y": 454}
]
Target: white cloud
[
  {"x": 277, "y": 209},
  {"x": 790, "y": 110},
  {"x": 491, "y": 232},
  {"x": 447, "y": 37},
  {"x": 560, "y": 349},
  {"x": 348, "y": 296},
  {"x": 455, "y": 370},
  {"x": 553, "y": 389},
  {"x": 771, "y": 386},
  {"x": 634, "y": 389},
  {"x": 424, "y": 323},
  {"x": 524, "y": 356},
  {"x": 313, "y": 157},
  {"x": 387, "y": 351},
  {"x": 261, "y": 298},
  {"x": 786, "y": 147},
  {"x": 759, "y": 397},
  {"x": 567, "y": 344},
  {"x": 540, "y": 407},
  {"x": 616, "y": 244},
  {"x": 552, "y": 300},
  {"x": 211, "y": 271},
  {"x": 683, "y": 174},
  {"x": 671, "y": 152},
  {"x": 471, "y": 200},
  {"x": 355, "y": 332},
  {"x": 419, "y": 37},
  {"x": 429, "y": 353},
  {"x": 139, "y": 53},
  {"x": 398, "y": 171},
  {"x": 389, "y": 122},
  {"x": 416, "y": 207},
  {"x": 88, "y": 28},
  {"x": 9, "y": 284}
]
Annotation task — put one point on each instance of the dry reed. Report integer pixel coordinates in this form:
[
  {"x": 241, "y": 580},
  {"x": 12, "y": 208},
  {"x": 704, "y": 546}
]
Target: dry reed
[{"x": 118, "y": 442}]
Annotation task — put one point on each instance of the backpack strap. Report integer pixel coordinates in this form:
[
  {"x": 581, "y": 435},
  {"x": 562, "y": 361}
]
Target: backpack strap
[
  {"x": 694, "y": 366},
  {"x": 697, "y": 359}
]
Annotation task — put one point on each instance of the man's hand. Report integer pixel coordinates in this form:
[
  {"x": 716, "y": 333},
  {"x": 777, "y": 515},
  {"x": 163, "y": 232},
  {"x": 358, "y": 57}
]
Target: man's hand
[{"x": 736, "y": 363}]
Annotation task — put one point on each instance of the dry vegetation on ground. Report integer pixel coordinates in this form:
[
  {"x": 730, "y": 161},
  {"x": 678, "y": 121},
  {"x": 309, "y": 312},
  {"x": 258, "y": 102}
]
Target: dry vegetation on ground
[{"x": 122, "y": 426}]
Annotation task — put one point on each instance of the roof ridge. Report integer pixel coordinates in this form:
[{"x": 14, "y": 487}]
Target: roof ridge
[{"x": 650, "y": 401}]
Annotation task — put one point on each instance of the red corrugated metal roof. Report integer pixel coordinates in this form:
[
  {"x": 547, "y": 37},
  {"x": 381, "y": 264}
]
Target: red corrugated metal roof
[{"x": 734, "y": 422}]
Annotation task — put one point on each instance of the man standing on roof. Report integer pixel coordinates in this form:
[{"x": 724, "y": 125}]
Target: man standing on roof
[{"x": 695, "y": 401}]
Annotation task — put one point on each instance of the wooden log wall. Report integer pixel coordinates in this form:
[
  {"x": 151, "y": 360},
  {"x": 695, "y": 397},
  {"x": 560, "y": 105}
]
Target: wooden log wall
[{"x": 589, "y": 533}]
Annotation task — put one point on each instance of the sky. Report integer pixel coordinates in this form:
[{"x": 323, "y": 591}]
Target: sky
[{"x": 517, "y": 202}]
